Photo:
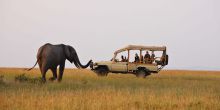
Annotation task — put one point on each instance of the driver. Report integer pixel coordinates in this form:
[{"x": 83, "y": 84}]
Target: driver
[
  {"x": 122, "y": 58},
  {"x": 126, "y": 59}
]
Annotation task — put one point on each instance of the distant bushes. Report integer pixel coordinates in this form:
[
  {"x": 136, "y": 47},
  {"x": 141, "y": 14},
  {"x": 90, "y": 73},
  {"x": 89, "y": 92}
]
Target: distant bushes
[
  {"x": 2, "y": 80},
  {"x": 23, "y": 78}
]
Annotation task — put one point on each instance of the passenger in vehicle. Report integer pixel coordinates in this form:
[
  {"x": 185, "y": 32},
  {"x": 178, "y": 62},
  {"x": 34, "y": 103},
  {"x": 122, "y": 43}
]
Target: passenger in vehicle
[
  {"x": 122, "y": 58},
  {"x": 152, "y": 57},
  {"x": 147, "y": 57},
  {"x": 163, "y": 58},
  {"x": 126, "y": 59},
  {"x": 141, "y": 58},
  {"x": 136, "y": 59}
]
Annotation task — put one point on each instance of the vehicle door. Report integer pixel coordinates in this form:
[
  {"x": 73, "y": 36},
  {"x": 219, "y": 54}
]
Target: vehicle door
[
  {"x": 119, "y": 66},
  {"x": 131, "y": 66}
]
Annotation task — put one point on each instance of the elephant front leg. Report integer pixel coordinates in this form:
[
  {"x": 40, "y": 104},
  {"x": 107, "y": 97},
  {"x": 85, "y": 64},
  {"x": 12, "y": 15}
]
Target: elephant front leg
[{"x": 61, "y": 70}]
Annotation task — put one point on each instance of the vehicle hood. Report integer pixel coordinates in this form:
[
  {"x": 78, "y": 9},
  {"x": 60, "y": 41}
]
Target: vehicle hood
[{"x": 103, "y": 63}]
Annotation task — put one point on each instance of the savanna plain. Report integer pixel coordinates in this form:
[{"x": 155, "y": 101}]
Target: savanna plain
[{"x": 84, "y": 90}]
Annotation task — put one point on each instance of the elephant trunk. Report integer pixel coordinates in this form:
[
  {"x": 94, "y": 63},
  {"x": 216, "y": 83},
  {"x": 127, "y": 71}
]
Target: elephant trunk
[
  {"x": 85, "y": 66},
  {"x": 76, "y": 58}
]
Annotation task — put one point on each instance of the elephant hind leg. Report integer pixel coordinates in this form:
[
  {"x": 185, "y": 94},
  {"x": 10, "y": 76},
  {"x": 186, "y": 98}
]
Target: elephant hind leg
[
  {"x": 44, "y": 74},
  {"x": 44, "y": 70},
  {"x": 54, "y": 71}
]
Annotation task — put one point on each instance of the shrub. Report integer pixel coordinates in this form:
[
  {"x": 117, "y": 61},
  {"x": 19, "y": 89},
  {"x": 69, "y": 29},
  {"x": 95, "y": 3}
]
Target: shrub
[
  {"x": 2, "y": 79},
  {"x": 23, "y": 78}
]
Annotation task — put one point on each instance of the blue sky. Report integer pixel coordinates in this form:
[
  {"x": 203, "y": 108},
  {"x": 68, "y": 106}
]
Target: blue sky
[{"x": 96, "y": 28}]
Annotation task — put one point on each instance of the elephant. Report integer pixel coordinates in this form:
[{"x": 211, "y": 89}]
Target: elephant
[{"x": 51, "y": 56}]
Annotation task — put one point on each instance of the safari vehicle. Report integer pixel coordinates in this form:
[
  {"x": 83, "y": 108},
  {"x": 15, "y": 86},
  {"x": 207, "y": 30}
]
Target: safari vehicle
[{"x": 141, "y": 68}]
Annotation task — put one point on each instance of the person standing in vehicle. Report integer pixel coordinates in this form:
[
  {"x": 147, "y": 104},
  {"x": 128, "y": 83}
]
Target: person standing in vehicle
[
  {"x": 152, "y": 57},
  {"x": 147, "y": 57}
]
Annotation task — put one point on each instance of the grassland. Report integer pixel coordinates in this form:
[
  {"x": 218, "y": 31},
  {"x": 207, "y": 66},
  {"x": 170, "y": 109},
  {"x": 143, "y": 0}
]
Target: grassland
[{"x": 82, "y": 89}]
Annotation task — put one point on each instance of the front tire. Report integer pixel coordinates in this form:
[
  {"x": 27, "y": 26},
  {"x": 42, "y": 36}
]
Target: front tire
[{"x": 101, "y": 71}]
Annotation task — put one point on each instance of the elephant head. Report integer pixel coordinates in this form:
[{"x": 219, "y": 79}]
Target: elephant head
[{"x": 72, "y": 56}]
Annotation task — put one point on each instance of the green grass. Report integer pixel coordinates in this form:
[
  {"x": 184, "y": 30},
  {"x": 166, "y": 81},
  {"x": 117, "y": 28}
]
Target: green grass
[{"x": 82, "y": 89}]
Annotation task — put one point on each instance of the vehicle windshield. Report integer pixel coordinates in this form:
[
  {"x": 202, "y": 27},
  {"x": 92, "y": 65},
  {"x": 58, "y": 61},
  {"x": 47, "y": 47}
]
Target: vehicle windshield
[{"x": 122, "y": 57}]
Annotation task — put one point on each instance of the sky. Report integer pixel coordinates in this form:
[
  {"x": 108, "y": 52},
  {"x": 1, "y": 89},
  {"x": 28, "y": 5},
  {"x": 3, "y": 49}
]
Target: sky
[{"x": 96, "y": 28}]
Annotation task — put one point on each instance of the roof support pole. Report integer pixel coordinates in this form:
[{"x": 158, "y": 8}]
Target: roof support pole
[
  {"x": 141, "y": 56},
  {"x": 128, "y": 55}
]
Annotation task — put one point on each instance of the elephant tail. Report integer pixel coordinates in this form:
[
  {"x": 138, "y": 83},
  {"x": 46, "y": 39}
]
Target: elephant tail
[
  {"x": 40, "y": 50},
  {"x": 31, "y": 67},
  {"x": 39, "y": 55}
]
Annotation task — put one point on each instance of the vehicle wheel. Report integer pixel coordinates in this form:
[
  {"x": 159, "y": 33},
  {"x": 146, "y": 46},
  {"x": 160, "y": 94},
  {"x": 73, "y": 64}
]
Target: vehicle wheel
[
  {"x": 142, "y": 74},
  {"x": 101, "y": 71}
]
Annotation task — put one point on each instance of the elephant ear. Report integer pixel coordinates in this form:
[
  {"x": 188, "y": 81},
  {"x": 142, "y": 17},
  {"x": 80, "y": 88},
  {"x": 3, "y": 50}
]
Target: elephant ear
[{"x": 67, "y": 52}]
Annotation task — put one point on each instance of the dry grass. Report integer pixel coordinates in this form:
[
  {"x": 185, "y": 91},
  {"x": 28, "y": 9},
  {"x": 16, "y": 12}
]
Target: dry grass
[{"x": 82, "y": 89}]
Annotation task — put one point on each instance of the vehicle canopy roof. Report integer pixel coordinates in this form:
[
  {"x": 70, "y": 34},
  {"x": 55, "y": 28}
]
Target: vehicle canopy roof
[{"x": 140, "y": 47}]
